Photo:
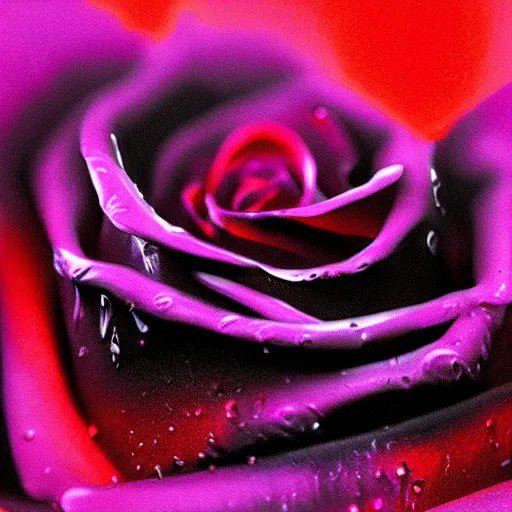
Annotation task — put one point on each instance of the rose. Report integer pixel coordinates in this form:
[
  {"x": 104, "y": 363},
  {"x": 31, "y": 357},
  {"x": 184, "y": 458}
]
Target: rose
[
  {"x": 59, "y": 211},
  {"x": 224, "y": 188}
]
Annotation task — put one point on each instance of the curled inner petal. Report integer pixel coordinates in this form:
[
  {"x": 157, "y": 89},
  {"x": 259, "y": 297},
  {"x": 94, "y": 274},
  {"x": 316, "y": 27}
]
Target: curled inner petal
[
  {"x": 357, "y": 212},
  {"x": 280, "y": 146}
]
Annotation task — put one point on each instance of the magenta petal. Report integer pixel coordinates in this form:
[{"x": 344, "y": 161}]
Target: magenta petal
[
  {"x": 329, "y": 213},
  {"x": 44, "y": 45},
  {"x": 264, "y": 138},
  {"x": 265, "y": 305}
]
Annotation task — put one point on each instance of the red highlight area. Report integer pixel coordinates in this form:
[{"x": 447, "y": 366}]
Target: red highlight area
[
  {"x": 425, "y": 63},
  {"x": 155, "y": 17},
  {"x": 36, "y": 389}
]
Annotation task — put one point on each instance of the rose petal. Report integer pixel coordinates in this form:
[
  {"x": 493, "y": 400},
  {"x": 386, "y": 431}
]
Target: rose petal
[
  {"x": 121, "y": 200},
  {"x": 265, "y": 305},
  {"x": 48, "y": 436},
  {"x": 294, "y": 473},
  {"x": 265, "y": 138},
  {"x": 345, "y": 214},
  {"x": 41, "y": 83}
]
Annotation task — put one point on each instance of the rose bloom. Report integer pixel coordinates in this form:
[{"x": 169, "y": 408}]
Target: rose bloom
[{"x": 265, "y": 294}]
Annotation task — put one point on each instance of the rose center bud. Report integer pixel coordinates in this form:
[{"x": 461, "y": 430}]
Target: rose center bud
[
  {"x": 261, "y": 167},
  {"x": 262, "y": 183}
]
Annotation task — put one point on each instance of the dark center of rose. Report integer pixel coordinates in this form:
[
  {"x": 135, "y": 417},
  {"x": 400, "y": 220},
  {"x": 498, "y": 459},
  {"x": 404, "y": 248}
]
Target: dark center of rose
[{"x": 259, "y": 182}]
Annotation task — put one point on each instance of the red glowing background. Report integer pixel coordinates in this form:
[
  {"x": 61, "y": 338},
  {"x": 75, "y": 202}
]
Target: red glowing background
[{"x": 424, "y": 64}]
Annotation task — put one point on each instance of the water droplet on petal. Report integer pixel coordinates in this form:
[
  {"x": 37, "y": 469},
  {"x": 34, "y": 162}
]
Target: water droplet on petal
[
  {"x": 105, "y": 315},
  {"x": 449, "y": 305},
  {"x": 115, "y": 348},
  {"x": 353, "y": 508},
  {"x": 320, "y": 113},
  {"x": 406, "y": 380},
  {"x": 83, "y": 351},
  {"x": 29, "y": 435},
  {"x": 305, "y": 340},
  {"x": 115, "y": 146},
  {"x": 178, "y": 462},
  {"x": 402, "y": 470},
  {"x": 231, "y": 409},
  {"x": 171, "y": 429},
  {"x": 226, "y": 321},
  {"x": 149, "y": 253},
  {"x": 251, "y": 460},
  {"x": 198, "y": 412},
  {"x": 143, "y": 328},
  {"x": 158, "y": 470},
  {"x": 436, "y": 185},
  {"x": 418, "y": 486},
  {"x": 115, "y": 205},
  {"x": 375, "y": 505},
  {"x": 162, "y": 301},
  {"x": 212, "y": 468},
  {"x": 93, "y": 430},
  {"x": 432, "y": 242},
  {"x": 78, "y": 311},
  {"x": 501, "y": 291}
]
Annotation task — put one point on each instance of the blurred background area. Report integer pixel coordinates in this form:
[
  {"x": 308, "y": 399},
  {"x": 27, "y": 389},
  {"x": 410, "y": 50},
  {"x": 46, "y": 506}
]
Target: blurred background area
[{"x": 424, "y": 64}]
